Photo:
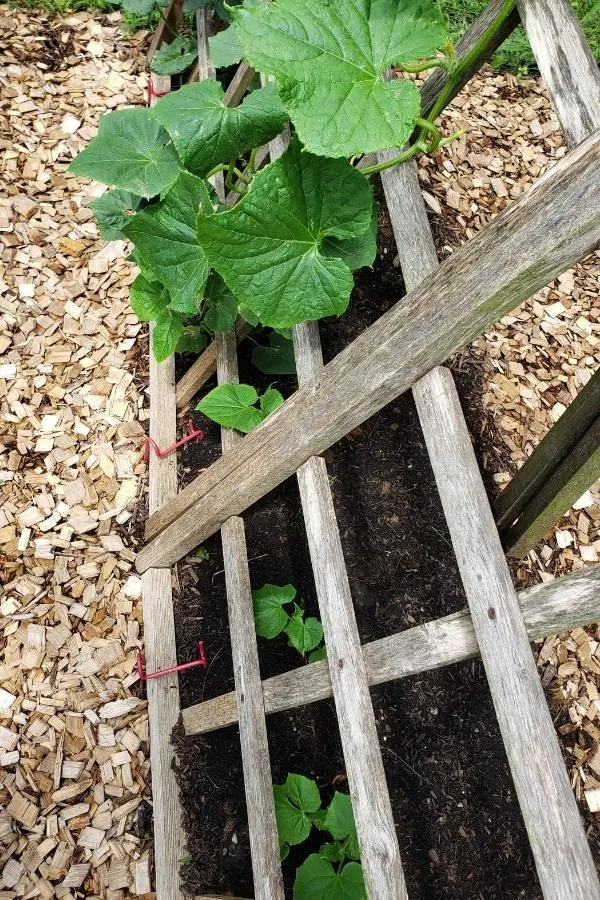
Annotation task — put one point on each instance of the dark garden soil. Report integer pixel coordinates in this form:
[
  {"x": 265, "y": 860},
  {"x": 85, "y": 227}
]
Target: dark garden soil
[{"x": 459, "y": 827}]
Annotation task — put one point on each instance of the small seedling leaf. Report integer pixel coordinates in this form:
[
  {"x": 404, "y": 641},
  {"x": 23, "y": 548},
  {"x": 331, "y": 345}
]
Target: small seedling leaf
[
  {"x": 278, "y": 358},
  {"x": 268, "y": 248},
  {"x": 113, "y": 210},
  {"x": 202, "y": 554},
  {"x": 268, "y": 601},
  {"x": 330, "y": 59},
  {"x": 232, "y": 406},
  {"x": 225, "y": 48},
  {"x": 131, "y": 151},
  {"x": 173, "y": 58},
  {"x": 206, "y": 133},
  {"x": 166, "y": 334},
  {"x": 270, "y": 401},
  {"x": 165, "y": 240},
  {"x": 333, "y": 852},
  {"x": 304, "y": 634},
  {"x": 318, "y": 654},
  {"x": 148, "y": 299},
  {"x": 339, "y": 820},
  {"x": 316, "y": 879}
]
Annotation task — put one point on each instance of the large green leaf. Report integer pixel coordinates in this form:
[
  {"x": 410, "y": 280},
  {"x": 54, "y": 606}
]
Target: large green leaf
[
  {"x": 304, "y": 634},
  {"x": 173, "y": 58},
  {"x": 329, "y": 58},
  {"x": 339, "y": 822},
  {"x": 316, "y": 879},
  {"x": 268, "y": 248},
  {"x": 166, "y": 334},
  {"x": 131, "y": 151},
  {"x": 206, "y": 133},
  {"x": 113, "y": 210},
  {"x": 268, "y": 601},
  {"x": 222, "y": 307},
  {"x": 165, "y": 240},
  {"x": 295, "y": 802},
  {"x": 225, "y": 48},
  {"x": 356, "y": 252},
  {"x": 148, "y": 299}
]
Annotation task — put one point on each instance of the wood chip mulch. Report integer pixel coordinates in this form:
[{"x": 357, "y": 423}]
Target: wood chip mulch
[{"x": 73, "y": 735}]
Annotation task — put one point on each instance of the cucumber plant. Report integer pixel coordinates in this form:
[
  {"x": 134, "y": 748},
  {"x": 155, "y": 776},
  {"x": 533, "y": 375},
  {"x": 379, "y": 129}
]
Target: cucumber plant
[
  {"x": 271, "y": 618},
  {"x": 286, "y": 251},
  {"x": 335, "y": 870}
]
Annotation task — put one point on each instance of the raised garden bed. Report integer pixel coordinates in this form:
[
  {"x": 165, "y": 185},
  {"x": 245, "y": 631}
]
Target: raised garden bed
[{"x": 458, "y": 821}]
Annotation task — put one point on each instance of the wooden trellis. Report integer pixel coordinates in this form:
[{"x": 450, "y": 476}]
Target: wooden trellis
[{"x": 551, "y": 227}]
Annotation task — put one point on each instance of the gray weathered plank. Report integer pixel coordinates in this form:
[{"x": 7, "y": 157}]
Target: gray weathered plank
[
  {"x": 239, "y": 84},
  {"x": 371, "y": 805},
  {"x": 159, "y": 644},
  {"x": 572, "y": 601},
  {"x": 168, "y": 27},
  {"x": 524, "y": 247},
  {"x": 258, "y": 786},
  {"x": 567, "y": 65},
  {"x": 576, "y": 473},
  {"x": 560, "y": 848},
  {"x": 549, "y": 453},
  {"x": 562, "y": 855}
]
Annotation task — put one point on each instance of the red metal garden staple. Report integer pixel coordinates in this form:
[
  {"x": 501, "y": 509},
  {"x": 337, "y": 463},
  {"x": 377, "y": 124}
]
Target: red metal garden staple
[
  {"x": 152, "y": 93},
  {"x": 201, "y": 661},
  {"x": 193, "y": 434}
]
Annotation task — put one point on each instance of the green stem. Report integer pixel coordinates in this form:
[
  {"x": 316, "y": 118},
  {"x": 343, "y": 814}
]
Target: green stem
[
  {"x": 396, "y": 161},
  {"x": 433, "y": 63},
  {"x": 220, "y": 168},
  {"x": 252, "y": 162},
  {"x": 464, "y": 65}
]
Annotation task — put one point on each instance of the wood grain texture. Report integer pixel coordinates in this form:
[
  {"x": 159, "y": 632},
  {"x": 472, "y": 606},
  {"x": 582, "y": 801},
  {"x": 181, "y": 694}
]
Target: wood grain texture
[
  {"x": 554, "y": 224},
  {"x": 559, "y": 845},
  {"x": 380, "y": 854},
  {"x": 567, "y": 483},
  {"x": 566, "y": 63},
  {"x": 258, "y": 783},
  {"x": 239, "y": 84},
  {"x": 577, "y": 419},
  {"x": 560, "y": 848},
  {"x": 572, "y": 601},
  {"x": 159, "y": 644}
]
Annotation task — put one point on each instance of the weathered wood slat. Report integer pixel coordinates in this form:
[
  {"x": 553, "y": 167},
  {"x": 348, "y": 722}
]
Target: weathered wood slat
[
  {"x": 572, "y": 601},
  {"x": 575, "y": 474},
  {"x": 558, "y": 841},
  {"x": 239, "y": 84},
  {"x": 258, "y": 784},
  {"x": 518, "y": 253},
  {"x": 159, "y": 644},
  {"x": 562, "y": 855},
  {"x": 555, "y": 447},
  {"x": 567, "y": 65},
  {"x": 170, "y": 22},
  {"x": 204, "y": 368}
]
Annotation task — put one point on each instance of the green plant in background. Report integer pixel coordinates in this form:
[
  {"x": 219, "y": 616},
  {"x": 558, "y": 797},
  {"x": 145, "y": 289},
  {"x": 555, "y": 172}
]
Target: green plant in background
[
  {"x": 335, "y": 870},
  {"x": 304, "y": 633},
  {"x": 515, "y": 53},
  {"x": 286, "y": 252}
]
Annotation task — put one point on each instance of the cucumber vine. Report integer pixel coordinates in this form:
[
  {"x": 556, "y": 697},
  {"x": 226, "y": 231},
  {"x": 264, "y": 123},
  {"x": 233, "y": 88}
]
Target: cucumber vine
[{"x": 284, "y": 250}]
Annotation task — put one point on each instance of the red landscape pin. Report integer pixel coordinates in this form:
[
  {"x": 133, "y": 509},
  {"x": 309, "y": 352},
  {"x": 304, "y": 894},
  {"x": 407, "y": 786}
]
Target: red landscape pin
[{"x": 201, "y": 661}]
